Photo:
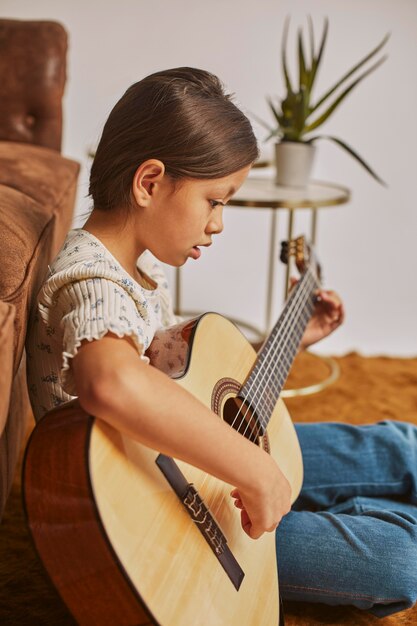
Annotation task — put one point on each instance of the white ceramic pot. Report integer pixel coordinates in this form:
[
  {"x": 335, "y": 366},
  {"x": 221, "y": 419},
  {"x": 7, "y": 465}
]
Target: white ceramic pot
[{"x": 294, "y": 162}]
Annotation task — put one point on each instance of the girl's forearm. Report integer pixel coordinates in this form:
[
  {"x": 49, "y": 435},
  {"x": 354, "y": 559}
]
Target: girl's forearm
[{"x": 148, "y": 406}]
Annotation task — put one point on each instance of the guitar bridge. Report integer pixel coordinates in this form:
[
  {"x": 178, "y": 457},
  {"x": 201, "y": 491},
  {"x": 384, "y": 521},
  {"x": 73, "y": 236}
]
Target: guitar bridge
[{"x": 202, "y": 518}]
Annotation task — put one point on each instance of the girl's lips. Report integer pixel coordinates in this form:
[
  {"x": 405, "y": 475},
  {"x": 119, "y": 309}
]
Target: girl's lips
[{"x": 195, "y": 253}]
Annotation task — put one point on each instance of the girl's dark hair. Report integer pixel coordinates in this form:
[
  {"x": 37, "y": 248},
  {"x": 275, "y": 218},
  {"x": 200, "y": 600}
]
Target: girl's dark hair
[{"x": 184, "y": 118}]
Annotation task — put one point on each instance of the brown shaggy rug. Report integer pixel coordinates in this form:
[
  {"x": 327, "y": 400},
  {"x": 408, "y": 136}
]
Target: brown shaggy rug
[{"x": 369, "y": 389}]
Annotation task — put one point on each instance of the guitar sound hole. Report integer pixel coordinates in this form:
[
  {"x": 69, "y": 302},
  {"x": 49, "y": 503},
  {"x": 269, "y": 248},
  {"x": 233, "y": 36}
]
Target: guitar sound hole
[{"x": 242, "y": 418}]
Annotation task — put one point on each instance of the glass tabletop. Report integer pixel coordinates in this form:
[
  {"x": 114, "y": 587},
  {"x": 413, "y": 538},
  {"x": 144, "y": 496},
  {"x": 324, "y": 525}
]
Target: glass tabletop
[{"x": 262, "y": 192}]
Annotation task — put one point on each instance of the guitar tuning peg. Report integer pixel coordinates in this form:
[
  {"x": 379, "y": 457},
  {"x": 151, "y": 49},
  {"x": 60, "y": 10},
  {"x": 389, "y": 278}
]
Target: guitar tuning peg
[
  {"x": 284, "y": 252},
  {"x": 288, "y": 248},
  {"x": 300, "y": 242}
]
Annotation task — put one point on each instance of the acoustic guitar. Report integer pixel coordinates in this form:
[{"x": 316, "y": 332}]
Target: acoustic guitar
[{"x": 132, "y": 537}]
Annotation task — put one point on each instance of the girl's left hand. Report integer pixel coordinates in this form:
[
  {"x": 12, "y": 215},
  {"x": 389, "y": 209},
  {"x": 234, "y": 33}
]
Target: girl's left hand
[{"x": 328, "y": 315}]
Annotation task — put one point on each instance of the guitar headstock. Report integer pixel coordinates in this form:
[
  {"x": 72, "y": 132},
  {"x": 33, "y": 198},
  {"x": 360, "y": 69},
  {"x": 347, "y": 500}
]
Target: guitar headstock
[{"x": 303, "y": 255}]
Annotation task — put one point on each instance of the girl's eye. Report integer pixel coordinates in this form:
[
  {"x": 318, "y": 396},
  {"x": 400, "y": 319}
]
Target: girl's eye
[{"x": 214, "y": 203}]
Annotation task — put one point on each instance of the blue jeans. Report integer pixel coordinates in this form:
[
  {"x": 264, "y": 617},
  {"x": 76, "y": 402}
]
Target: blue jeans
[{"x": 351, "y": 536}]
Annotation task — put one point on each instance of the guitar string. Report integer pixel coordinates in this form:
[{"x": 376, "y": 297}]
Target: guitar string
[
  {"x": 280, "y": 340},
  {"x": 265, "y": 380},
  {"x": 298, "y": 302},
  {"x": 263, "y": 369},
  {"x": 276, "y": 374}
]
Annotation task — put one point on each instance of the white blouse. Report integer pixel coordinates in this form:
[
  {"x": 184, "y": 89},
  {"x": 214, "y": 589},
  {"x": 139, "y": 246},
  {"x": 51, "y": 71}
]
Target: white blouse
[{"x": 86, "y": 295}]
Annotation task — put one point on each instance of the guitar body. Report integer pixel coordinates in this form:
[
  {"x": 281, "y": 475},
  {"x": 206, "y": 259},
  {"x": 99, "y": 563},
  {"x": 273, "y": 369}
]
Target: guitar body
[{"x": 112, "y": 532}]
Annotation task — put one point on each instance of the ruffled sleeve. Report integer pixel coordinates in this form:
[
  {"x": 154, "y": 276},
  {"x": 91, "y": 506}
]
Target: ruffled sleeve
[{"x": 89, "y": 310}]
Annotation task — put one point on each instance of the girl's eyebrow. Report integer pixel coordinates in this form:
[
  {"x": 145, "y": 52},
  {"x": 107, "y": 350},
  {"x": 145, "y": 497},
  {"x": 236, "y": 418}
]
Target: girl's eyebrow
[{"x": 228, "y": 194}]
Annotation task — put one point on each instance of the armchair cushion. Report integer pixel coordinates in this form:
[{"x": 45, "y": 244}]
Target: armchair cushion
[{"x": 37, "y": 190}]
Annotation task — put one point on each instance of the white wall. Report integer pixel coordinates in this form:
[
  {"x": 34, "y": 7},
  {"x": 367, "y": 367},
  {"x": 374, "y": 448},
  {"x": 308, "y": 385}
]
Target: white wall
[{"x": 368, "y": 246}]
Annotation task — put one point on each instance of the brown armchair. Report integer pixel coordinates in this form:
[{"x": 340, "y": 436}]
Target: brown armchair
[{"x": 37, "y": 193}]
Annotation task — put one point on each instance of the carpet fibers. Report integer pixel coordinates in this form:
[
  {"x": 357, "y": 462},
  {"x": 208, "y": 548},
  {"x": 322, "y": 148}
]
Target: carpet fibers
[{"x": 368, "y": 390}]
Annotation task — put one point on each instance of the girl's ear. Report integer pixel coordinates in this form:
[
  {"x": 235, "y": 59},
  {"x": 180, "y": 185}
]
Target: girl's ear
[{"x": 148, "y": 174}]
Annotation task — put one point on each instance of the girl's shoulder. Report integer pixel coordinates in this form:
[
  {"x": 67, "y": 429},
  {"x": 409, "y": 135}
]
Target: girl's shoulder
[
  {"x": 85, "y": 266},
  {"x": 81, "y": 247},
  {"x": 83, "y": 258}
]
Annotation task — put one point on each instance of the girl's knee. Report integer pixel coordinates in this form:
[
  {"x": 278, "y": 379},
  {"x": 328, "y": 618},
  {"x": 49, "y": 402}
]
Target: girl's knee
[
  {"x": 398, "y": 579},
  {"x": 405, "y": 431}
]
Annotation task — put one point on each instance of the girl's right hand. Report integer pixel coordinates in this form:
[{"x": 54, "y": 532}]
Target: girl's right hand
[{"x": 263, "y": 507}]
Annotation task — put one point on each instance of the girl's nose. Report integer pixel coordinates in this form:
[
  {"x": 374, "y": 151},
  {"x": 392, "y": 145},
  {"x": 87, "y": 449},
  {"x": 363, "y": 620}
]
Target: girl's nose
[{"x": 215, "y": 223}]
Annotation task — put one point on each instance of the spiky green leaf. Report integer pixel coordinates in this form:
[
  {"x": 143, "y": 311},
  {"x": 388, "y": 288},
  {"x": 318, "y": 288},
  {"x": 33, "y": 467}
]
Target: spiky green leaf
[
  {"x": 317, "y": 59},
  {"x": 354, "y": 154},
  {"x": 351, "y": 72},
  {"x": 275, "y": 112},
  {"x": 320, "y": 120},
  {"x": 274, "y": 133},
  {"x": 302, "y": 71},
  {"x": 311, "y": 33},
  {"x": 284, "y": 57}
]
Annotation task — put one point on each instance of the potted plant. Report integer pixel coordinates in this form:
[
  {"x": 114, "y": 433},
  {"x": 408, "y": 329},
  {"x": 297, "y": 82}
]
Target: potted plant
[{"x": 297, "y": 115}]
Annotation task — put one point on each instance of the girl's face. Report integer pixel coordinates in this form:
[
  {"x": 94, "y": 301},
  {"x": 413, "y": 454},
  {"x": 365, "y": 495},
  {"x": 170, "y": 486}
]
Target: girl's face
[{"x": 186, "y": 215}]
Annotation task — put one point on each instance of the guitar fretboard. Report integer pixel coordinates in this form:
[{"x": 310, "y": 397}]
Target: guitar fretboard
[{"x": 267, "y": 378}]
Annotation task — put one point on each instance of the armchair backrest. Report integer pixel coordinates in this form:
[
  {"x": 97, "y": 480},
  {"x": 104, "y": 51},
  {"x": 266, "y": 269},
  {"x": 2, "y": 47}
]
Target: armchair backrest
[{"x": 33, "y": 74}]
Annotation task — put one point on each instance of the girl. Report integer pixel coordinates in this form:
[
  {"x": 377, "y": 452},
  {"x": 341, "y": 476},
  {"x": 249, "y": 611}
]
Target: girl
[{"x": 173, "y": 151}]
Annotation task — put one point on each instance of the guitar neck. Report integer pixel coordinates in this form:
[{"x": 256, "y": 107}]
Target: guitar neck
[{"x": 274, "y": 361}]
